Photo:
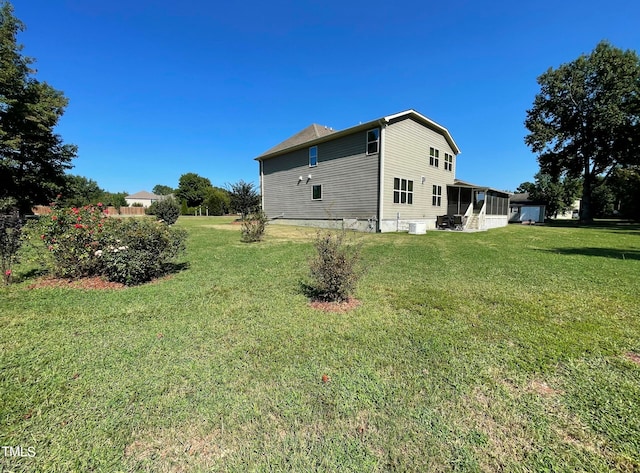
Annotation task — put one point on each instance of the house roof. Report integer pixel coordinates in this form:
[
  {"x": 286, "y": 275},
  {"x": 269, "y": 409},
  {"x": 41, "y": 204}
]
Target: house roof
[
  {"x": 310, "y": 133},
  {"x": 144, "y": 195},
  {"x": 524, "y": 198},
  {"x": 459, "y": 183},
  {"x": 315, "y": 134}
]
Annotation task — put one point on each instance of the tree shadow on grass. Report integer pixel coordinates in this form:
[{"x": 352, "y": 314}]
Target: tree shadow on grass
[
  {"x": 173, "y": 268},
  {"x": 31, "y": 274},
  {"x": 614, "y": 253},
  {"x": 613, "y": 226}
]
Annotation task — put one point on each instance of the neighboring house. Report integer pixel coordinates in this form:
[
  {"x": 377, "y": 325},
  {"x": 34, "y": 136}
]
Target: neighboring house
[
  {"x": 143, "y": 197},
  {"x": 524, "y": 209},
  {"x": 572, "y": 213},
  {"x": 378, "y": 176}
]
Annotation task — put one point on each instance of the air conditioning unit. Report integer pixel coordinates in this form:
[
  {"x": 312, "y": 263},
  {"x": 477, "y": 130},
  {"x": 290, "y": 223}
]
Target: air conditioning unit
[{"x": 417, "y": 228}]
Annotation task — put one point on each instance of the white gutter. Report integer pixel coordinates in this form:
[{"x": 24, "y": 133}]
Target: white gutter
[
  {"x": 383, "y": 126},
  {"x": 261, "y": 185}
]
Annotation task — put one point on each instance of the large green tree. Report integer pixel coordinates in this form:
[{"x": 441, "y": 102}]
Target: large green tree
[
  {"x": 217, "y": 201},
  {"x": 161, "y": 189},
  {"x": 585, "y": 121},
  {"x": 192, "y": 189},
  {"x": 626, "y": 186},
  {"x": 79, "y": 190},
  {"x": 33, "y": 157},
  {"x": 558, "y": 194}
]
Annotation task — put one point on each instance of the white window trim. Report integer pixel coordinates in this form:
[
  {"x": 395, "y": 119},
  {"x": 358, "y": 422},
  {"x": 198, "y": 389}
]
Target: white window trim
[
  {"x": 400, "y": 192},
  {"x": 434, "y": 159},
  {"x": 448, "y": 162},
  {"x": 437, "y": 195},
  {"x": 312, "y": 187},
  {"x": 316, "y": 164},
  {"x": 377, "y": 141}
]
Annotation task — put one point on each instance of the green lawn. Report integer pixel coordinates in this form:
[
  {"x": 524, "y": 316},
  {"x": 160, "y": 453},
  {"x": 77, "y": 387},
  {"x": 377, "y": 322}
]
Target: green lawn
[{"x": 508, "y": 350}]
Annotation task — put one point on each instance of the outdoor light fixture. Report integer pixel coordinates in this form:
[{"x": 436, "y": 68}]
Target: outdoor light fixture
[
  {"x": 424, "y": 179},
  {"x": 309, "y": 177},
  {"x": 300, "y": 178}
]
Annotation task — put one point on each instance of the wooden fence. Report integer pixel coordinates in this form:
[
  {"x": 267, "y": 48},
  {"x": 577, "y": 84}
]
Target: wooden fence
[{"x": 46, "y": 210}]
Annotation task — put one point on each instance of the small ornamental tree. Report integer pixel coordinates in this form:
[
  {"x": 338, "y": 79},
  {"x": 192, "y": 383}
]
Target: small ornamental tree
[
  {"x": 244, "y": 198},
  {"x": 334, "y": 269},
  {"x": 253, "y": 227}
]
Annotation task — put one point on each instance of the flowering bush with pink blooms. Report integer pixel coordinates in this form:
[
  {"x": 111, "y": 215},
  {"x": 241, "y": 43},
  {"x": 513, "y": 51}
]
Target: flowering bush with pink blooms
[
  {"x": 81, "y": 242},
  {"x": 71, "y": 237}
]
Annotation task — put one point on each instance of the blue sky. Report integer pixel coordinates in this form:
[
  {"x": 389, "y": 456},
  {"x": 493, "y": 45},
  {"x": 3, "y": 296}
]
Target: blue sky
[{"x": 159, "y": 88}]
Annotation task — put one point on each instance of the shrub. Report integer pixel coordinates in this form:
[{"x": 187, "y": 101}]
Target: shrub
[
  {"x": 334, "y": 269},
  {"x": 166, "y": 210},
  {"x": 71, "y": 236},
  {"x": 10, "y": 241},
  {"x": 134, "y": 251},
  {"x": 82, "y": 242},
  {"x": 253, "y": 227}
]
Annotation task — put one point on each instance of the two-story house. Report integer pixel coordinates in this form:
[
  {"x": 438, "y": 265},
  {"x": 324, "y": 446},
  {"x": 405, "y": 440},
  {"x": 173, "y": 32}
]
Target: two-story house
[{"x": 378, "y": 176}]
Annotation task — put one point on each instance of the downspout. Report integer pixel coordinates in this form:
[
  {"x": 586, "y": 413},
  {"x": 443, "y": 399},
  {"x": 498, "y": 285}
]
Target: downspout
[
  {"x": 261, "y": 184},
  {"x": 383, "y": 125}
]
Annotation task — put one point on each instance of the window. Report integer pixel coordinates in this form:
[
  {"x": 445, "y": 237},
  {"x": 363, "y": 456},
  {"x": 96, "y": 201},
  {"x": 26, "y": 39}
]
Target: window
[
  {"x": 448, "y": 162},
  {"x": 434, "y": 157},
  {"x": 437, "y": 196},
  {"x": 373, "y": 141},
  {"x": 402, "y": 191},
  {"x": 313, "y": 156},
  {"x": 316, "y": 192}
]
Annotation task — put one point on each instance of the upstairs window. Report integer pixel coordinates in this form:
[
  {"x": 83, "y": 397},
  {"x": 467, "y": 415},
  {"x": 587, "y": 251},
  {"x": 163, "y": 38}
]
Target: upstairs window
[
  {"x": 436, "y": 199},
  {"x": 313, "y": 156},
  {"x": 373, "y": 141},
  {"x": 434, "y": 157},
  {"x": 448, "y": 162},
  {"x": 402, "y": 191}
]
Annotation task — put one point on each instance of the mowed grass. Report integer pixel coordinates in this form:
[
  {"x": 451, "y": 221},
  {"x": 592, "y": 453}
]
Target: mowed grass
[{"x": 510, "y": 350}]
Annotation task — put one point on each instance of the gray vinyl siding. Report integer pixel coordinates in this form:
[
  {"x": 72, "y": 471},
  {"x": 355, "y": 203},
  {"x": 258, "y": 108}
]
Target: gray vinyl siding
[
  {"x": 349, "y": 180},
  {"x": 407, "y": 144}
]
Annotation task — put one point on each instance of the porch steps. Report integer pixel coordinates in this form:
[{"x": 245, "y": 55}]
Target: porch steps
[{"x": 472, "y": 224}]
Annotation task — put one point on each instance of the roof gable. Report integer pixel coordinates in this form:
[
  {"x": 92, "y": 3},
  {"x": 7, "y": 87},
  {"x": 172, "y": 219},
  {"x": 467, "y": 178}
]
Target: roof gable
[
  {"x": 319, "y": 133},
  {"x": 310, "y": 133},
  {"x": 144, "y": 195}
]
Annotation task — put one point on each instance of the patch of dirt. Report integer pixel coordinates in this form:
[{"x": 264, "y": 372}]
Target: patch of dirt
[
  {"x": 338, "y": 307},
  {"x": 81, "y": 283},
  {"x": 178, "y": 451},
  {"x": 542, "y": 388},
  {"x": 633, "y": 357}
]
